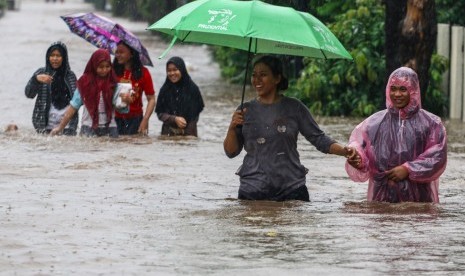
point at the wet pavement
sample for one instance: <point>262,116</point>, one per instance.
<point>151,206</point>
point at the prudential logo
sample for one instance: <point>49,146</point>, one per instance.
<point>218,20</point>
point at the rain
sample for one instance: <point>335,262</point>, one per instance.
<point>158,206</point>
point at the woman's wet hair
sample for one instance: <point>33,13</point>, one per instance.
<point>136,63</point>
<point>276,67</point>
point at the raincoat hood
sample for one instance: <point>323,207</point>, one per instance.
<point>404,76</point>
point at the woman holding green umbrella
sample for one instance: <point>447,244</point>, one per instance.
<point>270,124</point>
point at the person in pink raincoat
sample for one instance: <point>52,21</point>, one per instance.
<point>402,150</point>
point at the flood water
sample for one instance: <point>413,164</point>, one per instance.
<point>151,206</point>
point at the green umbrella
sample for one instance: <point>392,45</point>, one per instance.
<point>253,26</point>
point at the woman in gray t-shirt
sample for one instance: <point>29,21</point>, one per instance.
<point>267,128</point>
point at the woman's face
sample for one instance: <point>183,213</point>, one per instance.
<point>55,59</point>
<point>103,69</point>
<point>400,96</point>
<point>123,54</point>
<point>263,80</point>
<point>173,73</point>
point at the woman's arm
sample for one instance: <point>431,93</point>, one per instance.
<point>34,83</point>
<point>70,111</point>
<point>341,150</point>
<point>144,124</point>
<point>232,143</point>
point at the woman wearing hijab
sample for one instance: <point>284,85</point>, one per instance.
<point>179,102</point>
<point>402,150</point>
<point>96,91</point>
<point>54,87</point>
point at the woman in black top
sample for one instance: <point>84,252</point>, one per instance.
<point>54,87</point>
<point>179,102</point>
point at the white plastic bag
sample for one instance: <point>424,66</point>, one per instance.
<point>122,88</point>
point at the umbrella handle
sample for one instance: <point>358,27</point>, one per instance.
<point>169,47</point>
<point>246,72</point>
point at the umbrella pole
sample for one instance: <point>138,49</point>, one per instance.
<point>246,72</point>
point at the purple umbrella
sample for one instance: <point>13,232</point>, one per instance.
<point>104,33</point>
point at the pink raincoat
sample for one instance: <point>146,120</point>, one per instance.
<point>411,137</point>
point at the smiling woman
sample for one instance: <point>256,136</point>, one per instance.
<point>403,149</point>
<point>267,129</point>
<point>399,95</point>
<point>179,103</point>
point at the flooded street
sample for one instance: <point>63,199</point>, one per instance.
<point>151,206</point>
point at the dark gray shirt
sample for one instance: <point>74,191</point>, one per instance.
<point>271,168</point>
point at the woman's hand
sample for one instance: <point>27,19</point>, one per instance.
<point>232,144</point>
<point>56,131</point>
<point>144,127</point>
<point>237,118</point>
<point>44,78</point>
<point>353,157</point>
<point>397,174</point>
<point>127,97</point>
<point>180,122</point>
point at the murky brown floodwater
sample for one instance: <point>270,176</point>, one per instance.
<point>150,206</point>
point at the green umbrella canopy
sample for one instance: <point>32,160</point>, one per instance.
<point>252,26</point>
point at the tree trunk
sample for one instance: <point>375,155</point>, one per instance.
<point>395,12</point>
<point>300,5</point>
<point>170,6</point>
<point>418,32</point>
<point>411,31</point>
<point>133,9</point>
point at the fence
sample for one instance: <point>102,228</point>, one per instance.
<point>450,43</point>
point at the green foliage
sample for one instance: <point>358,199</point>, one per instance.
<point>232,62</point>
<point>119,7</point>
<point>451,11</point>
<point>340,87</point>
<point>99,4</point>
<point>436,101</point>
<point>328,9</point>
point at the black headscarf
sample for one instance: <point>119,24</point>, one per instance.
<point>182,98</point>
<point>60,93</point>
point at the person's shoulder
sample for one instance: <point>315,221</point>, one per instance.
<point>40,70</point>
<point>295,104</point>
<point>378,114</point>
<point>376,118</point>
<point>248,104</point>
<point>433,117</point>
<point>291,101</point>
<point>71,73</point>
<point>145,71</point>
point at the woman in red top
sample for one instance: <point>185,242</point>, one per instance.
<point>129,69</point>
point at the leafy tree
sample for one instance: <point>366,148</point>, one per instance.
<point>451,11</point>
<point>340,87</point>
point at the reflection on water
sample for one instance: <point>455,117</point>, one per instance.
<point>405,208</point>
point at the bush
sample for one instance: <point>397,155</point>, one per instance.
<point>341,87</point>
